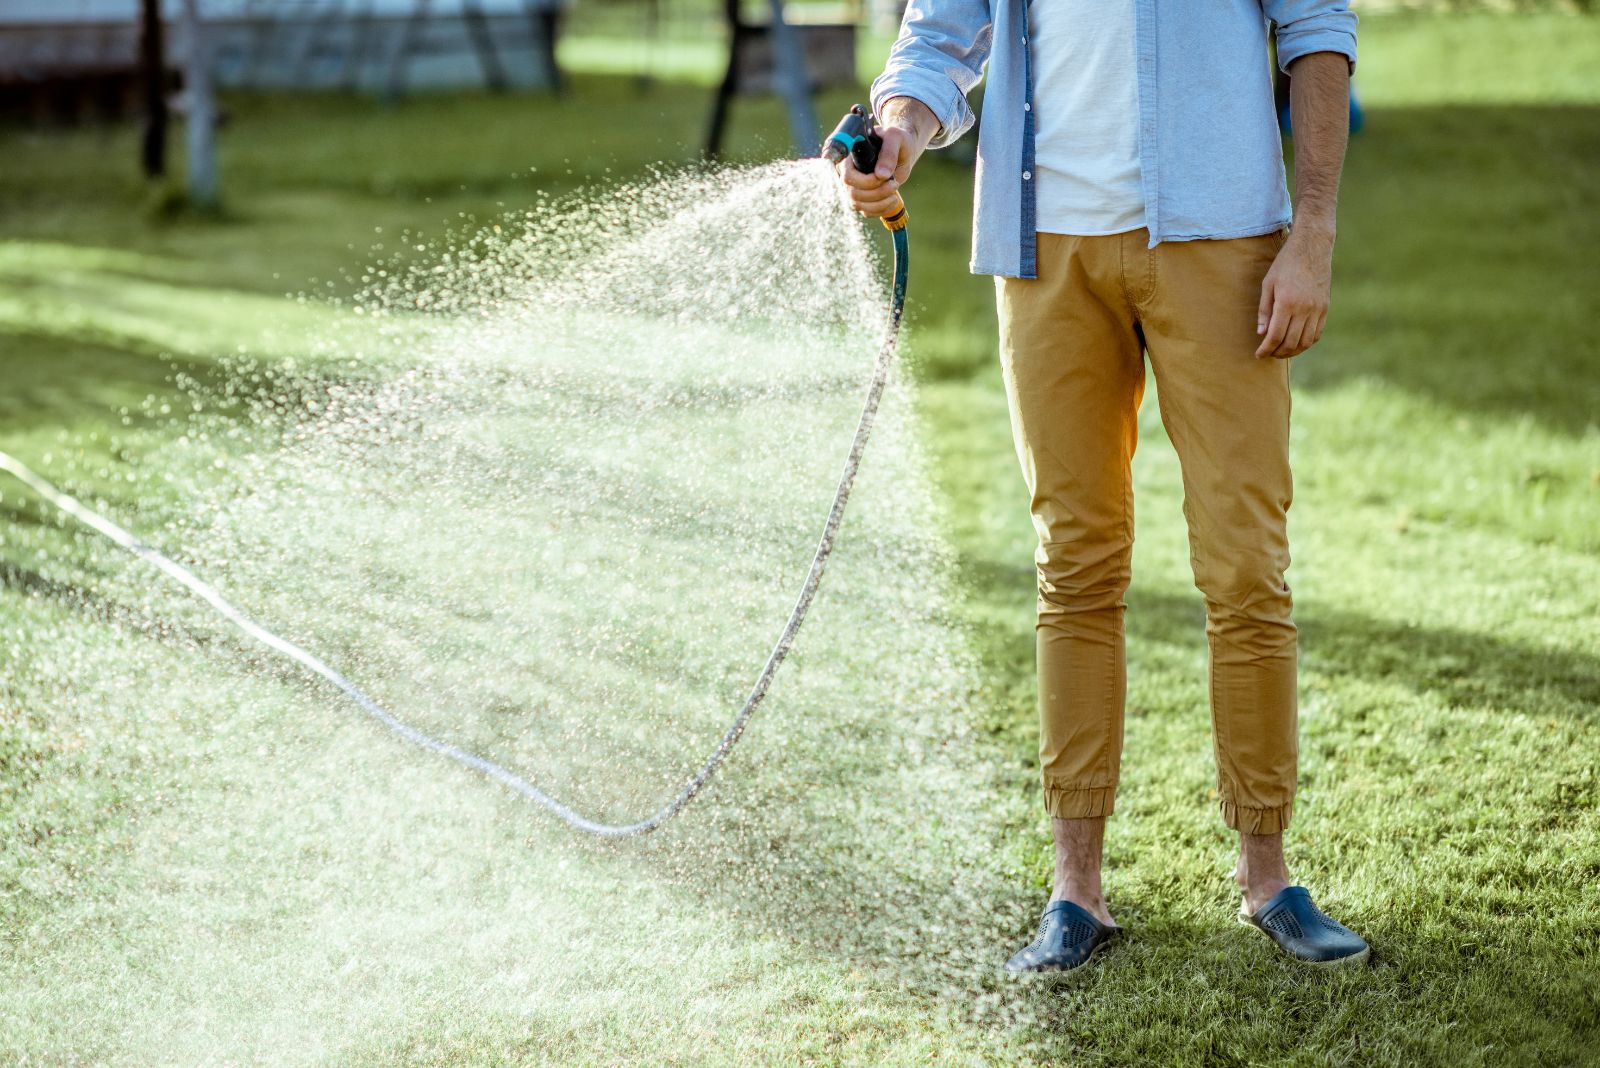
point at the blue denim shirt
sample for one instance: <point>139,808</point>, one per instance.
<point>1209,147</point>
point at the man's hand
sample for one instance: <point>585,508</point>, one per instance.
<point>1294,295</point>
<point>907,126</point>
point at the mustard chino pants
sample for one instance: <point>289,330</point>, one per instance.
<point>1072,344</point>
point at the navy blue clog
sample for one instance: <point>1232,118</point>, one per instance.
<point>1068,936</point>
<point>1304,931</point>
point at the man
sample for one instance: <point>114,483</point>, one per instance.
<point>1131,201</point>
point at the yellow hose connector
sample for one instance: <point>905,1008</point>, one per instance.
<point>896,220</point>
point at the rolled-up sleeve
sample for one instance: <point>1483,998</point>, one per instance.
<point>1307,26</point>
<point>937,59</point>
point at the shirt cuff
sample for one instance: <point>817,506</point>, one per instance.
<point>1296,43</point>
<point>933,89</point>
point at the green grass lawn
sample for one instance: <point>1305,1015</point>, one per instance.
<point>1447,578</point>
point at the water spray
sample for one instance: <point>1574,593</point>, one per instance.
<point>856,137</point>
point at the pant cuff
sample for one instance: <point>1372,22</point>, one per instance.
<point>1064,803</point>
<point>1256,820</point>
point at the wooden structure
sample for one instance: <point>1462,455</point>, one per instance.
<point>792,52</point>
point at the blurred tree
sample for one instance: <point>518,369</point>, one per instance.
<point>153,69</point>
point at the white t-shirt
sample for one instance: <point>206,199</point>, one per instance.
<point>1086,117</point>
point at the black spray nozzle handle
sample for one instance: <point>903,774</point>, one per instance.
<point>856,136</point>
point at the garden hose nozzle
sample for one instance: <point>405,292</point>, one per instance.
<point>857,136</point>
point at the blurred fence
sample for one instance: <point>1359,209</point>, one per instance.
<point>57,56</point>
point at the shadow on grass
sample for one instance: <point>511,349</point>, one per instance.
<point>1463,668</point>
<point>1186,992</point>
<point>1466,264</point>
<point>56,382</point>
<point>227,651</point>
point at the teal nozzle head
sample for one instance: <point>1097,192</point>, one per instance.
<point>855,137</point>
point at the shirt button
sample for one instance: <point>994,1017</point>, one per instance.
<point>1026,175</point>
<point>1027,107</point>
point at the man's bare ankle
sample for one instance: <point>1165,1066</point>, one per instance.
<point>1079,847</point>
<point>1258,892</point>
<point>1260,881</point>
<point>1090,899</point>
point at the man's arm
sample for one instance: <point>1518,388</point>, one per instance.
<point>1294,295</point>
<point>937,59</point>
<point>921,96</point>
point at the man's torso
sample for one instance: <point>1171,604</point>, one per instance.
<point>1209,151</point>
<point>1086,115</point>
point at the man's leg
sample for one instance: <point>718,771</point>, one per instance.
<point>1074,375</point>
<point>1079,847</point>
<point>1228,416</point>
